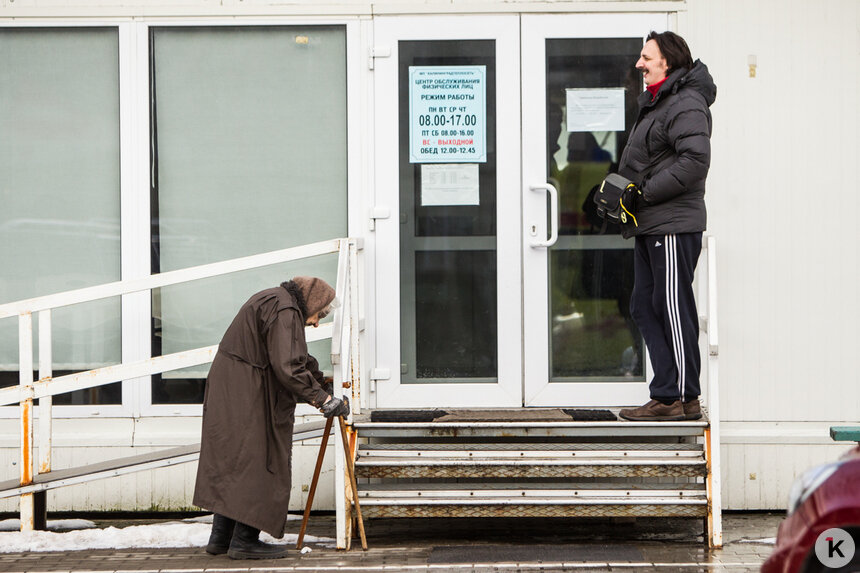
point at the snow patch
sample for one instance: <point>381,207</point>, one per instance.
<point>60,524</point>
<point>193,532</point>
<point>763,541</point>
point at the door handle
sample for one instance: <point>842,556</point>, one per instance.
<point>553,214</point>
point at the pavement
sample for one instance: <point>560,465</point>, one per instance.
<point>461,545</point>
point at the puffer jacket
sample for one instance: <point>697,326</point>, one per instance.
<point>669,152</point>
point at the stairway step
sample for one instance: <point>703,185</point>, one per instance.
<point>552,508</point>
<point>530,463</point>
<point>507,430</point>
<point>471,416</point>
<point>412,460</point>
<point>520,453</point>
<point>562,492</point>
<point>532,500</point>
<point>416,467</point>
<point>530,446</point>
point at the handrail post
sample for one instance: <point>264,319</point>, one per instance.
<point>40,516</point>
<point>25,380</point>
<point>342,519</point>
<point>354,328</point>
<point>715,522</point>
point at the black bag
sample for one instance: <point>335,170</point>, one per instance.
<point>609,200</point>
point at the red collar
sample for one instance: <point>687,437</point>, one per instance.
<point>654,88</point>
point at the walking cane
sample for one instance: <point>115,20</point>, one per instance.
<point>350,471</point>
<point>314,481</point>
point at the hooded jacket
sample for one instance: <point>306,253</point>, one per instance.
<point>669,152</point>
<point>261,370</point>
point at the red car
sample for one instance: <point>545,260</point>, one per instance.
<point>824,497</point>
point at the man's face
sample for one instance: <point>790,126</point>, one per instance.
<point>651,63</point>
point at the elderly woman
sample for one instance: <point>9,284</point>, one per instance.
<point>262,369</point>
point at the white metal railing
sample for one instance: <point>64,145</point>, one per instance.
<point>343,331</point>
<point>707,284</point>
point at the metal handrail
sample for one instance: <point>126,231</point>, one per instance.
<point>168,278</point>
<point>345,316</point>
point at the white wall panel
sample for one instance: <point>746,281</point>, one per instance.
<point>760,460</point>
<point>203,7</point>
<point>759,476</point>
<point>787,270</point>
<point>787,265</point>
<point>166,489</point>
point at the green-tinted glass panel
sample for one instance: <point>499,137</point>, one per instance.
<point>250,155</point>
<point>60,193</point>
<point>592,335</point>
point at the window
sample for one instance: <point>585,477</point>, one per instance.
<point>60,191</point>
<point>249,156</point>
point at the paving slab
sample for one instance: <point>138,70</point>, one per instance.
<point>507,545</point>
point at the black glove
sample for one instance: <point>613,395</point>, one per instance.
<point>336,407</point>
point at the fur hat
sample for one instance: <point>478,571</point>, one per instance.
<point>317,293</point>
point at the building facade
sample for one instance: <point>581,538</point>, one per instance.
<point>142,137</point>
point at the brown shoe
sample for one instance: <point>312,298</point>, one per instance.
<point>654,411</point>
<point>692,410</point>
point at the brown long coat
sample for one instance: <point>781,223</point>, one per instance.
<point>261,370</point>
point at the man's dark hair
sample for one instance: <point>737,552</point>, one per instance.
<point>674,49</point>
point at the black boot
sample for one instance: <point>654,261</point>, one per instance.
<point>222,533</point>
<point>247,545</point>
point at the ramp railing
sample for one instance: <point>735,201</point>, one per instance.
<point>343,331</point>
<point>707,306</point>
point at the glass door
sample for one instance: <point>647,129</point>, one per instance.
<point>447,207</point>
<point>579,91</point>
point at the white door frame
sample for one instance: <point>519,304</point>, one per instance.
<point>504,29</point>
<point>535,30</point>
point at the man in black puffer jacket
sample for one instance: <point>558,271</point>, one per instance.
<point>667,156</point>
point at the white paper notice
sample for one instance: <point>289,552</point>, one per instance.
<point>449,184</point>
<point>595,109</point>
<point>447,114</point>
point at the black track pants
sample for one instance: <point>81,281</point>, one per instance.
<point>664,309</point>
